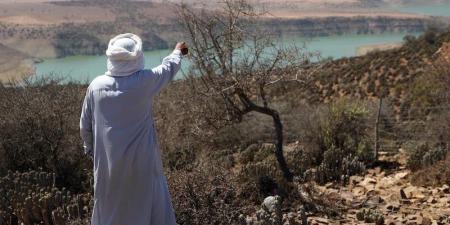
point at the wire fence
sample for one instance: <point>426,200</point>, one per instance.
<point>420,124</point>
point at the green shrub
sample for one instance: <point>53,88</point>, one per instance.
<point>341,145</point>
<point>345,141</point>
<point>422,155</point>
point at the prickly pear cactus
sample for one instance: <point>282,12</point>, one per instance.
<point>32,198</point>
<point>337,165</point>
<point>370,216</point>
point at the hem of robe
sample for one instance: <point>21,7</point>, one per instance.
<point>161,211</point>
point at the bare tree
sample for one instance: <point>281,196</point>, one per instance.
<point>235,62</point>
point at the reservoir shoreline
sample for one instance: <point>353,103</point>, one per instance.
<point>84,68</point>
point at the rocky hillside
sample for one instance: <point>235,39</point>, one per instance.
<point>384,195</point>
<point>381,74</point>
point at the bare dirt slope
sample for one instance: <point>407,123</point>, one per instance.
<point>299,9</point>
<point>13,64</point>
<point>43,13</point>
<point>40,12</point>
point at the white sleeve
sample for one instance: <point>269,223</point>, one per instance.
<point>164,73</point>
<point>86,125</point>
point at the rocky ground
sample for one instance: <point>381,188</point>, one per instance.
<point>384,195</point>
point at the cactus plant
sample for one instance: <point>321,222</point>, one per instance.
<point>370,216</point>
<point>32,198</point>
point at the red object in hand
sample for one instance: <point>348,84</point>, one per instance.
<point>184,51</point>
<point>182,46</point>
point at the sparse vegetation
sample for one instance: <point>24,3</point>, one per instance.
<point>345,143</point>
<point>234,67</point>
<point>218,143</point>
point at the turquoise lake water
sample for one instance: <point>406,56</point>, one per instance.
<point>85,68</point>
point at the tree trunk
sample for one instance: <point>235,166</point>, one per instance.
<point>251,106</point>
<point>279,147</point>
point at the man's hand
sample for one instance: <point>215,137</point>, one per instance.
<point>183,47</point>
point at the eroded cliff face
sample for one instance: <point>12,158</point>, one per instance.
<point>54,41</point>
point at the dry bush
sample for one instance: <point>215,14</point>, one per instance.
<point>39,129</point>
<point>181,140</point>
<point>205,196</point>
<point>436,174</point>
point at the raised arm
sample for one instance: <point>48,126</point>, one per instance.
<point>169,67</point>
<point>86,124</point>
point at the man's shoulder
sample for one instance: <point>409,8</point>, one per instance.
<point>99,82</point>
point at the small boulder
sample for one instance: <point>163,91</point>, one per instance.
<point>271,203</point>
<point>401,175</point>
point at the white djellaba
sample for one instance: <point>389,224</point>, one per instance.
<point>117,128</point>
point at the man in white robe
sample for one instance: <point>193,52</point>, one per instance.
<point>118,131</point>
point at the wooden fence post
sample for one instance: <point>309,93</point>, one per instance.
<point>376,147</point>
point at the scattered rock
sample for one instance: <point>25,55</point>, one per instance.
<point>347,196</point>
<point>426,221</point>
<point>271,203</point>
<point>368,181</point>
<point>373,201</point>
<point>401,175</point>
<point>354,180</point>
<point>317,221</point>
<point>431,200</point>
<point>413,192</point>
<point>403,195</point>
<point>392,207</point>
<point>358,191</point>
<point>386,199</point>
<point>445,189</point>
<point>386,182</point>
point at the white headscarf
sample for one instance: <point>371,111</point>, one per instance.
<point>125,55</point>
